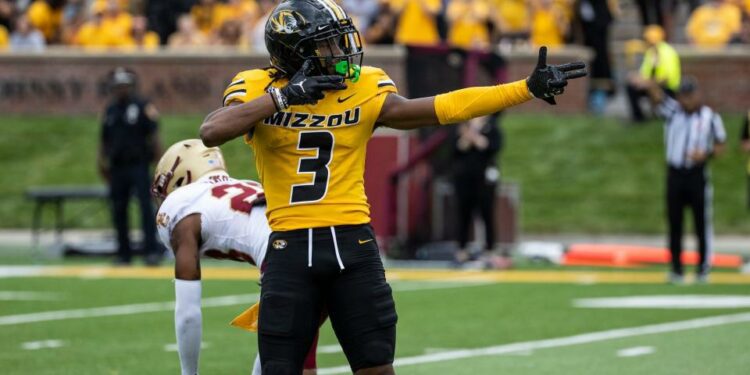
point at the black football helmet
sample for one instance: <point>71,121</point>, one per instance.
<point>316,30</point>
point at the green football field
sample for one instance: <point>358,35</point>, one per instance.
<point>93,319</point>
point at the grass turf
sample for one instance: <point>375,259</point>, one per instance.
<point>578,173</point>
<point>429,319</point>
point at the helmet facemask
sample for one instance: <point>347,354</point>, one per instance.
<point>336,51</point>
<point>339,53</point>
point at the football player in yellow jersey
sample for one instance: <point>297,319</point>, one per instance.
<point>308,118</point>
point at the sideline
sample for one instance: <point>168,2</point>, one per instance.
<point>251,273</point>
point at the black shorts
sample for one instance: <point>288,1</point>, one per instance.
<point>333,268</point>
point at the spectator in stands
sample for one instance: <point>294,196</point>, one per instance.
<point>245,13</point>
<point>92,33</point>
<point>208,15</point>
<point>512,20</point>
<point>46,16</point>
<point>117,22</point>
<point>187,35</point>
<point>3,38</point>
<point>25,38</point>
<point>417,22</point>
<point>109,27</point>
<point>476,177</point>
<point>382,25</point>
<point>661,66</point>
<point>141,37</point>
<point>229,34</point>
<point>362,12</point>
<point>241,10</point>
<point>548,24</point>
<point>129,144</point>
<point>652,12</point>
<point>163,15</point>
<point>7,14</point>
<point>744,35</point>
<point>468,24</point>
<point>714,24</point>
<point>258,31</point>
<point>596,17</point>
<point>75,14</point>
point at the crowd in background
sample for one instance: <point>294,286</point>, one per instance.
<point>30,25</point>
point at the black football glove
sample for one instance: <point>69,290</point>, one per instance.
<point>305,88</point>
<point>546,81</point>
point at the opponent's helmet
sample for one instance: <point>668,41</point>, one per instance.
<point>316,30</point>
<point>185,162</point>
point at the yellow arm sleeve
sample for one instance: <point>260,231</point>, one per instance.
<point>461,105</point>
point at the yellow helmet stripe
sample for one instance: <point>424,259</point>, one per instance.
<point>328,7</point>
<point>338,9</point>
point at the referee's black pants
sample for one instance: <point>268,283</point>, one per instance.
<point>689,187</point>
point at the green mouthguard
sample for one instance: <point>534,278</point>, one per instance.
<point>352,71</point>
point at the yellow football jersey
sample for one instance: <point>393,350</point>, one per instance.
<point>311,158</point>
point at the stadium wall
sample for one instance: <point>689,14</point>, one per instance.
<point>74,82</point>
<point>722,74</point>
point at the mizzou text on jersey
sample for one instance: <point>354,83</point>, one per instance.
<point>311,158</point>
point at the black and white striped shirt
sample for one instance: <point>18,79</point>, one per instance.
<point>686,133</point>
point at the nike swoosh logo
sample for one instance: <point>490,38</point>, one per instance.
<point>362,242</point>
<point>345,99</point>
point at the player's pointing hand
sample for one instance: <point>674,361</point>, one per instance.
<point>304,88</point>
<point>546,81</point>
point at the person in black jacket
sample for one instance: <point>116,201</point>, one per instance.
<point>476,177</point>
<point>129,144</point>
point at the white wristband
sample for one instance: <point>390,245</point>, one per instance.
<point>278,98</point>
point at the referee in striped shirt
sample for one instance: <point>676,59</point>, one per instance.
<point>693,133</point>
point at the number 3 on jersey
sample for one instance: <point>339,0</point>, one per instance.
<point>322,142</point>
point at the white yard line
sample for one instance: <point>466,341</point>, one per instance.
<point>15,295</point>
<point>636,351</point>
<point>560,342</point>
<point>330,349</point>
<point>44,344</point>
<point>175,348</point>
<point>22,271</point>
<point>231,300</point>
<point>416,286</point>
<point>671,302</point>
<point>139,308</point>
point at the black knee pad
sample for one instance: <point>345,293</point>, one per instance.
<point>377,352</point>
<point>277,314</point>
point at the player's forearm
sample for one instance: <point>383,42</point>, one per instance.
<point>230,122</point>
<point>188,325</point>
<point>461,105</point>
